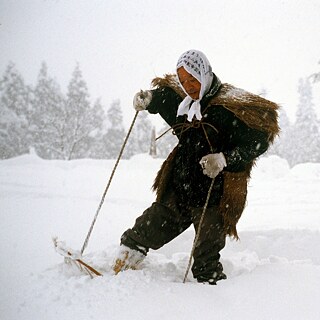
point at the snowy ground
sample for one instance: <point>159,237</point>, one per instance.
<point>273,272</point>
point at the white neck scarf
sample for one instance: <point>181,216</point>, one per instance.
<point>197,64</point>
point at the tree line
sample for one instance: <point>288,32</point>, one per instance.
<point>54,125</point>
<point>299,142</point>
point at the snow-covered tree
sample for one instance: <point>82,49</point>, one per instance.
<point>15,109</point>
<point>113,139</point>
<point>83,122</point>
<point>48,118</point>
<point>305,134</point>
<point>166,141</point>
<point>139,141</point>
<point>153,145</point>
<point>282,142</point>
<point>315,77</point>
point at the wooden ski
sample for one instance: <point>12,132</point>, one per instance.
<point>74,257</point>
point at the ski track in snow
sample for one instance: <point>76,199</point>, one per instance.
<point>273,271</point>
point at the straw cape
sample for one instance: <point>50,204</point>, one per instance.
<point>257,113</point>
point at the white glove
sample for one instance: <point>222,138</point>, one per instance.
<point>142,99</point>
<point>212,164</point>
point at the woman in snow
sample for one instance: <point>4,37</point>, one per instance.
<point>221,131</point>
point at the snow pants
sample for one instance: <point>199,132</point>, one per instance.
<point>162,222</point>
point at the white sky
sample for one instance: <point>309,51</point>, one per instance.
<point>122,45</point>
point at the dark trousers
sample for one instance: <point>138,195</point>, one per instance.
<point>162,222</point>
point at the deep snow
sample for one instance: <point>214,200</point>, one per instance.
<point>273,271</point>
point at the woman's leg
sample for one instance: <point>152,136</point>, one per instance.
<point>158,225</point>
<point>206,266</point>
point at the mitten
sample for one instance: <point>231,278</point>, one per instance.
<point>212,164</point>
<point>142,99</point>
<point>127,259</point>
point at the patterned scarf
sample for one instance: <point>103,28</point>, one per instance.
<point>197,64</point>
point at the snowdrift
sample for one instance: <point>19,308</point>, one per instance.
<point>273,271</point>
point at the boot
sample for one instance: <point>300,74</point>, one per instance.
<point>127,258</point>
<point>217,275</point>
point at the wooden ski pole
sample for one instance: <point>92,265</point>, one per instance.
<point>196,239</point>
<point>85,244</point>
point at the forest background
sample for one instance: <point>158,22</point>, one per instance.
<point>41,119</point>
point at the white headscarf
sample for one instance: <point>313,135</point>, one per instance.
<point>197,64</point>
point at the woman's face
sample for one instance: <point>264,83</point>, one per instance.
<point>190,84</point>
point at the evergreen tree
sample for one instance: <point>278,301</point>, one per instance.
<point>153,145</point>
<point>15,109</point>
<point>305,134</point>
<point>139,141</point>
<point>282,143</point>
<point>95,139</point>
<point>49,117</point>
<point>166,141</point>
<point>83,122</point>
<point>315,76</point>
<point>114,137</point>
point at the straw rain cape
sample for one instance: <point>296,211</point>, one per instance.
<point>257,113</point>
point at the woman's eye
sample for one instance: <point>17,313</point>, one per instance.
<point>191,80</point>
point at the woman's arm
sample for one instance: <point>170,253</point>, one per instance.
<point>165,101</point>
